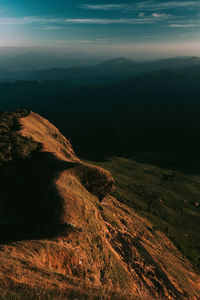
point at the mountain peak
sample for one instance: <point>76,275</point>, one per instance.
<point>118,61</point>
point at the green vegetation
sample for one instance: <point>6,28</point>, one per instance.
<point>168,198</point>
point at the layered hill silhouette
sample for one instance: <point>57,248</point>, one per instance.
<point>162,107</point>
<point>46,67</point>
<point>167,97</point>
<point>113,70</point>
<point>64,234</point>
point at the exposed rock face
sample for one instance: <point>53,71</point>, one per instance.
<point>104,249</point>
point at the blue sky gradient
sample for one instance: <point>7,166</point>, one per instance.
<point>103,24</point>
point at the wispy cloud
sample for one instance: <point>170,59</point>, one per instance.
<point>140,20</point>
<point>108,21</point>
<point>160,16</point>
<point>51,28</point>
<point>26,20</point>
<point>147,12</point>
<point>156,5</point>
<point>53,23</point>
<point>143,5</point>
<point>84,41</point>
<point>150,17</point>
<point>104,6</point>
<point>75,41</point>
<point>181,25</point>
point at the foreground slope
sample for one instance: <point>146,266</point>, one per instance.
<point>65,235</point>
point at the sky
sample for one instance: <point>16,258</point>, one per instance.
<point>151,27</point>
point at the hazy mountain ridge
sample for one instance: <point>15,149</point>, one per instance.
<point>29,61</point>
<point>104,249</point>
<point>160,98</point>
<point>161,102</point>
<point>163,107</point>
<point>47,67</point>
<point>107,71</point>
<point>113,70</point>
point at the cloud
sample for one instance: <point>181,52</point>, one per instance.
<point>74,41</point>
<point>84,41</point>
<point>155,5</point>
<point>160,16</point>
<point>49,22</point>
<point>147,12</point>
<point>181,25</point>
<point>143,5</point>
<point>51,28</point>
<point>104,6</point>
<point>178,4</point>
<point>140,20</point>
<point>27,20</point>
<point>106,21</point>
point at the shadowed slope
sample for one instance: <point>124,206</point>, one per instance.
<point>33,180</point>
<point>104,249</point>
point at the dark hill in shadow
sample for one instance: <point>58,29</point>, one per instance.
<point>29,199</point>
<point>30,205</point>
<point>30,168</point>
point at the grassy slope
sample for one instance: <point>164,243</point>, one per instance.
<point>105,248</point>
<point>169,199</point>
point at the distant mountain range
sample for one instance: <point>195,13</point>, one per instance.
<point>32,61</point>
<point>113,70</point>
<point>158,99</point>
<point>108,71</point>
<point>160,108</point>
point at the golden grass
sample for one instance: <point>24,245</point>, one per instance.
<point>42,131</point>
<point>105,251</point>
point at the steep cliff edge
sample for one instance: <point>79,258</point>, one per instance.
<point>65,235</point>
